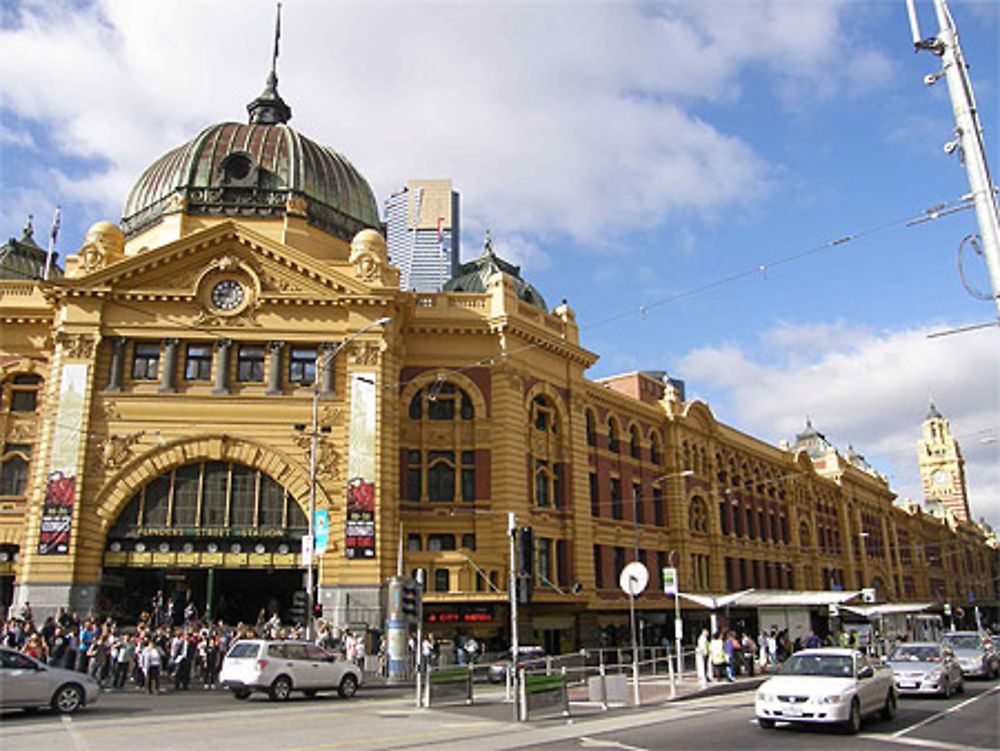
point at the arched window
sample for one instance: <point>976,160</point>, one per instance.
<point>544,441</point>
<point>591,429</point>
<point>612,435</point>
<point>699,515</point>
<point>654,448</point>
<point>211,499</point>
<point>633,442</point>
<point>14,470</point>
<point>441,401</point>
<point>805,538</point>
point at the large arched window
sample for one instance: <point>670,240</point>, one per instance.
<point>218,499</point>
<point>440,464</point>
<point>591,428</point>
<point>545,455</point>
<point>699,515</point>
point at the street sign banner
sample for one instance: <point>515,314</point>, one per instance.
<point>307,551</point>
<point>634,578</point>
<point>670,581</point>
<point>321,527</point>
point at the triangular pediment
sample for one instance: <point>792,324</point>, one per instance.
<point>176,269</point>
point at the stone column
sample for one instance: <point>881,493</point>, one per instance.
<point>223,349</point>
<point>327,354</point>
<point>274,369</point>
<point>116,373</point>
<point>168,376</point>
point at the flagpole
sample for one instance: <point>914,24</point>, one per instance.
<point>52,245</point>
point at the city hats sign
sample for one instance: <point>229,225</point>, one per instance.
<point>634,578</point>
<point>670,581</point>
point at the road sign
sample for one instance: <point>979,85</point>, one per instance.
<point>670,581</point>
<point>634,578</point>
<point>321,527</point>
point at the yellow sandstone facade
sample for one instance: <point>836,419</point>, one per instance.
<point>156,420</point>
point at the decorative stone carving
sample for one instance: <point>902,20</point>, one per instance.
<point>365,354</point>
<point>176,204</point>
<point>117,450</point>
<point>369,256</point>
<point>297,206</point>
<point>23,431</point>
<point>78,346</point>
<point>326,455</point>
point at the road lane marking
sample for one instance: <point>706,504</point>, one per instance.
<point>74,735</point>
<point>588,742</point>
<point>920,742</point>
<point>944,713</point>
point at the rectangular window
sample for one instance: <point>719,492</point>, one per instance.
<point>302,366</point>
<point>272,503</point>
<point>469,541</point>
<point>414,476</point>
<point>661,563</point>
<point>542,478</point>
<point>242,499</point>
<point>558,485</point>
<point>439,542</point>
<point>157,502</point>
<point>595,504</point>
<point>659,513</point>
<point>545,561</point>
<point>468,476</point>
<point>250,364</point>
<point>598,568</point>
<point>214,491</point>
<point>145,361</point>
<point>198,362</point>
<point>619,561</point>
<point>23,400</point>
<point>441,476</point>
<point>562,563</point>
<point>442,580</point>
<point>413,543</point>
<point>616,498</point>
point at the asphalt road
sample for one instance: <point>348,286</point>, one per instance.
<point>386,718</point>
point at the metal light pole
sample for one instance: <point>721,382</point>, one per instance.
<point>322,363</point>
<point>514,645</point>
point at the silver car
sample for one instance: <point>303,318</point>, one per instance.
<point>280,667</point>
<point>976,653</point>
<point>29,684</point>
<point>925,668</point>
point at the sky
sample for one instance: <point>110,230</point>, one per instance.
<point>680,172</point>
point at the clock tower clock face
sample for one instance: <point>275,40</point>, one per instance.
<point>227,294</point>
<point>941,478</point>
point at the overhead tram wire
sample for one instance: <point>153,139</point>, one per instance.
<point>934,212</point>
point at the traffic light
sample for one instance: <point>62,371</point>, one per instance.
<point>411,600</point>
<point>317,610</point>
<point>526,565</point>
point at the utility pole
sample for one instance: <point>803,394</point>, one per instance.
<point>968,141</point>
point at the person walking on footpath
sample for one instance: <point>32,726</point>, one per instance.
<point>701,657</point>
<point>151,662</point>
<point>717,655</point>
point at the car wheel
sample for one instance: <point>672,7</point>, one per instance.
<point>241,693</point>
<point>853,724</point>
<point>765,723</point>
<point>889,709</point>
<point>348,687</point>
<point>281,689</point>
<point>67,698</point>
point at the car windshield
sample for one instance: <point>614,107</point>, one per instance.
<point>963,641</point>
<point>913,653</point>
<point>244,649</point>
<point>830,666</point>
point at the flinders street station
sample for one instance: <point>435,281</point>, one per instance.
<point>236,351</point>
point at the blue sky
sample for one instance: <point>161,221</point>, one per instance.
<point>625,154</point>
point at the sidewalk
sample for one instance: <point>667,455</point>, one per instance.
<point>657,690</point>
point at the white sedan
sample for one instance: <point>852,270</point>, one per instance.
<point>829,685</point>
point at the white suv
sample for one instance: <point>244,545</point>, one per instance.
<point>280,667</point>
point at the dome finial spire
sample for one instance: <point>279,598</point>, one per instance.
<point>269,108</point>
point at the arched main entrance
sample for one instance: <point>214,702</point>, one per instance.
<point>219,534</point>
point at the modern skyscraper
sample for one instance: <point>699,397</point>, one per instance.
<point>422,233</point>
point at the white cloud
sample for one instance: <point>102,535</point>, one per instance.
<point>866,389</point>
<point>571,119</point>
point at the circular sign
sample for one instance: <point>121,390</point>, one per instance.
<point>634,578</point>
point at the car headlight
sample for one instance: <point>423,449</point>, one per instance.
<point>834,699</point>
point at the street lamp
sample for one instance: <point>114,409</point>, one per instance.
<point>678,636</point>
<point>322,363</point>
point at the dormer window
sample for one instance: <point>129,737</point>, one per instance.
<point>238,169</point>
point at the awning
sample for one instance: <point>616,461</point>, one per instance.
<point>752,598</point>
<point>891,608</point>
<point>802,598</point>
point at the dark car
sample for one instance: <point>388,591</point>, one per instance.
<point>499,668</point>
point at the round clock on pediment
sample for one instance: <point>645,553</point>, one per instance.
<point>227,295</point>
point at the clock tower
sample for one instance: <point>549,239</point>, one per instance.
<point>942,469</point>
